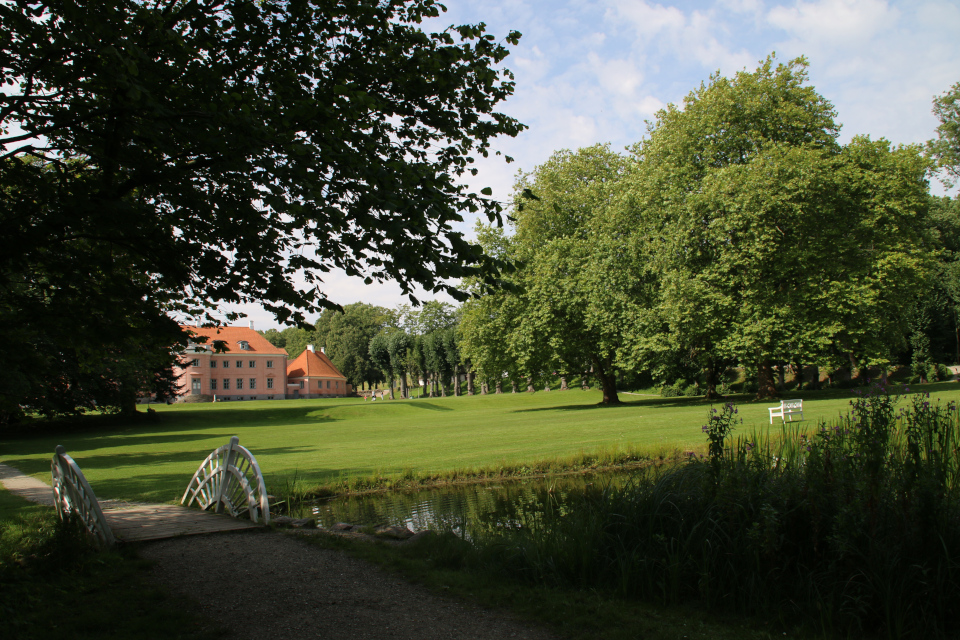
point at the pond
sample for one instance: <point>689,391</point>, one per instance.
<point>506,504</point>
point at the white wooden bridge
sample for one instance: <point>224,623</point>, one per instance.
<point>228,483</point>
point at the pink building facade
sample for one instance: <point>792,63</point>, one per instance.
<point>247,367</point>
<point>313,375</point>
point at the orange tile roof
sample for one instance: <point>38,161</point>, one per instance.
<point>310,363</point>
<point>232,337</point>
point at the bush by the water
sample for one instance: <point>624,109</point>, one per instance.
<point>854,528</point>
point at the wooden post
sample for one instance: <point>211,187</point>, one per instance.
<point>225,475</point>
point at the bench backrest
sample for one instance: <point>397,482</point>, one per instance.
<point>792,404</point>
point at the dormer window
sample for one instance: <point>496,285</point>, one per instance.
<point>244,345</point>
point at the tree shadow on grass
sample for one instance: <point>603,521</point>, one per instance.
<point>191,458</point>
<point>146,431</point>
<point>427,405</point>
<point>631,404</point>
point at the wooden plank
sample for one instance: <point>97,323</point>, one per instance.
<point>158,521</point>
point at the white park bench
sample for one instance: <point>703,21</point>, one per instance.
<point>786,409</point>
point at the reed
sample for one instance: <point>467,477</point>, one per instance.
<point>852,527</point>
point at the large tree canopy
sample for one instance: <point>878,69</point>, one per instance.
<point>945,148</point>
<point>221,151</point>
<point>774,242</point>
<point>211,139</point>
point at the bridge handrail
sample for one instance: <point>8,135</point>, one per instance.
<point>72,494</point>
<point>230,478</point>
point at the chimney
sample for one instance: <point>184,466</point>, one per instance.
<point>251,325</point>
<point>323,350</point>
<point>310,348</point>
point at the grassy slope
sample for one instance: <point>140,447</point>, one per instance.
<point>326,440</point>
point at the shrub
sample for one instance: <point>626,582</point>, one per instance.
<point>854,528</point>
<point>675,390</point>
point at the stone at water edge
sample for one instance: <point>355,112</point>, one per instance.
<point>304,523</point>
<point>344,526</point>
<point>394,531</point>
<point>426,533</point>
<point>296,523</point>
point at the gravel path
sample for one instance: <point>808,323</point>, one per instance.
<point>263,584</point>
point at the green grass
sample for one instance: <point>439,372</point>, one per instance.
<point>55,584</point>
<point>448,566</point>
<point>330,441</point>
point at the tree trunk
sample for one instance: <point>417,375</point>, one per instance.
<point>766,387</point>
<point>798,374</point>
<point>854,367</point>
<point>563,383</point>
<point>608,382</point>
<point>713,371</point>
<point>781,376</point>
<point>429,382</point>
<point>392,397</point>
<point>530,388</point>
<point>456,380</point>
<point>513,385</point>
<point>546,387</point>
<point>470,375</point>
<point>483,388</point>
<point>499,385</point>
<point>584,381</point>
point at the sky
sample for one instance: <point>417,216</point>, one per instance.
<point>594,71</point>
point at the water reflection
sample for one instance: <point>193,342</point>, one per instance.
<point>508,505</point>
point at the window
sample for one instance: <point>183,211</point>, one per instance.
<point>252,364</point>
<point>195,362</point>
<point>239,363</point>
<point>226,363</point>
<point>328,384</point>
<point>226,384</point>
<point>269,383</point>
<point>301,384</point>
<point>239,383</point>
<point>253,383</point>
<point>213,384</point>
<point>213,364</point>
<point>269,364</point>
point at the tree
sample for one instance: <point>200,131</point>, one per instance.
<point>945,150</point>
<point>572,291</point>
<point>229,150</point>
<point>380,356</point>
<point>773,241</point>
<point>487,318</point>
<point>346,337</point>
<point>399,346</point>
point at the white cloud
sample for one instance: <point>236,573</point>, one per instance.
<point>741,6</point>
<point>840,22</point>
<point>618,76</point>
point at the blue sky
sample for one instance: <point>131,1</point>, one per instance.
<point>593,71</point>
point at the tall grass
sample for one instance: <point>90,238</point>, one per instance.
<point>853,527</point>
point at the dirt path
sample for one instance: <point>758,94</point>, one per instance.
<point>264,584</point>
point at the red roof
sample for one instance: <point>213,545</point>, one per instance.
<point>310,363</point>
<point>232,336</point>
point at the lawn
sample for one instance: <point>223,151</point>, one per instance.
<point>330,440</point>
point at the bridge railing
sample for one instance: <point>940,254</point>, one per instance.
<point>73,495</point>
<point>229,479</point>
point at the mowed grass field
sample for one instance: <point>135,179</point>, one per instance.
<point>324,442</point>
